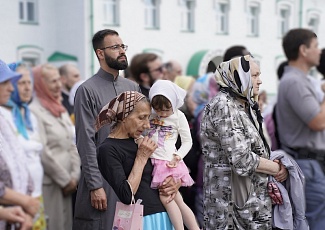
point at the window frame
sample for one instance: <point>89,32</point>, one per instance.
<point>187,15</point>
<point>154,21</point>
<point>115,7</point>
<point>24,13</point>
<point>30,52</point>
<point>288,23</point>
<point>313,14</point>
<point>253,21</point>
<point>222,18</point>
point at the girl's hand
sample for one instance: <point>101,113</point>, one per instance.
<point>139,140</point>
<point>174,162</point>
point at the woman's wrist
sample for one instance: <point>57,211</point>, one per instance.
<point>141,158</point>
<point>279,168</point>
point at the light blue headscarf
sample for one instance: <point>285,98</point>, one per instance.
<point>15,103</point>
<point>203,90</point>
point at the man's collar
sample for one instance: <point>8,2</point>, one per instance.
<point>106,75</point>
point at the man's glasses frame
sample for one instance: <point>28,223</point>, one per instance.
<point>160,69</point>
<point>116,48</point>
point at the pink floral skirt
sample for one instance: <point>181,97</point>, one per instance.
<point>161,171</point>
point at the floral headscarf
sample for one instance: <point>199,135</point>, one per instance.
<point>235,75</point>
<point>118,108</point>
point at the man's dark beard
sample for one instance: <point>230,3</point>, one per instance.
<point>115,64</point>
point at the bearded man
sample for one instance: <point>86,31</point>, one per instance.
<point>95,202</point>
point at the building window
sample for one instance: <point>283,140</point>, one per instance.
<point>110,12</point>
<point>284,12</point>
<point>28,11</point>
<point>313,20</point>
<point>30,54</point>
<point>222,15</point>
<point>253,12</point>
<point>187,15</point>
<point>151,14</point>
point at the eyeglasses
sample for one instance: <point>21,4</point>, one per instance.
<point>160,69</point>
<point>116,48</point>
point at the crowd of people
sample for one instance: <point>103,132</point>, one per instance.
<point>195,149</point>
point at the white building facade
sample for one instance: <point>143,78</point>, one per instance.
<point>193,32</point>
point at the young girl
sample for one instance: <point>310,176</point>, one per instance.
<point>166,123</point>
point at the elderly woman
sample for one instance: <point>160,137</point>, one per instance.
<point>60,159</point>
<point>124,165</point>
<point>24,123</point>
<point>15,182</point>
<point>236,154</point>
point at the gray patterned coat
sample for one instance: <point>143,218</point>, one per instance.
<point>232,148</point>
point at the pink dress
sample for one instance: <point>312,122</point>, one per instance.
<point>165,132</point>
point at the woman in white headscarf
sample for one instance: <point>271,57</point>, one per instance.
<point>236,154</point>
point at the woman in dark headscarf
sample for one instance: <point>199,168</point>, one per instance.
<point>236,155</point>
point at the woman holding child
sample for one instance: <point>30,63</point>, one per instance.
<point>125,165</point>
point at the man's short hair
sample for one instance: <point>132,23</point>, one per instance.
<point>294,39</point>
<point>234,51</point>
<point>64,69</point>
<point>139,65</point>
<point>98,38</point>
<point>280,69</point>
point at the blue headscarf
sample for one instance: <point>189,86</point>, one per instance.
<point>15,103</point>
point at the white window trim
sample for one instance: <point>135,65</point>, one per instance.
<point>250,4</point>
<point>30,52</point>
<point>215,6</point>
<point>156,21</point>
<point>25,12</point>
<point>188,21</point>
<point>316,14</point>
<point>285,4</point>
<point>116,20</point>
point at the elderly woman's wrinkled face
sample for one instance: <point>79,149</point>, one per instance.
<point>256,80</point>
<point>5,91</point>
<point>24,85</point>
<point>138,120</point>
<point>53,82</point>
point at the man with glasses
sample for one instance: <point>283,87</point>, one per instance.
<point>95,202</point>
<point>146,68</point>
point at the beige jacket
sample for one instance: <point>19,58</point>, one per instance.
<point>60,158</point>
